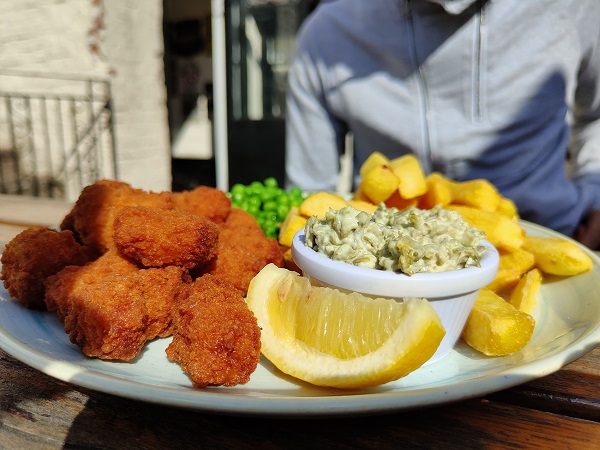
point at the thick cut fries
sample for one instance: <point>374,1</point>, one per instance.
<point>556,256</point>
<point>499,230</point>
<point>410,175</point>
<point>379,184</point>
<point>495,327</point>
<point>319,203</point>
<point>524,296</point>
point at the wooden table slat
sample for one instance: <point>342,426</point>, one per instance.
<point>49,412</point>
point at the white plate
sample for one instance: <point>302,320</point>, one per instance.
<point>568,326</point>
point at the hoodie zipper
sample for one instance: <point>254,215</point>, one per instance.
<point>426,157</point>
<point>478,65</point>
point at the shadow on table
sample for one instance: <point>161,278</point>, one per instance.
<point>129,424</point>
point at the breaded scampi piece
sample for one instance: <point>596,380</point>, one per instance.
<point>62,288</point>
<point>94,211</point>
<point>161,289</point>
<point>68,223</point>
<point>106,318</point>
<point>32,256</point>
<point>216,339</point>
<point>205,201</point>
<point>110,307</point>
<point>156,238</point>
<point>238,217</point>
<point>57,298</point>
<point>243,250</point>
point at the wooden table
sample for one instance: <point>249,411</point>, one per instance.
<point>561,410</point>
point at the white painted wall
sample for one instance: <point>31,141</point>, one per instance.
<point>59,36</point>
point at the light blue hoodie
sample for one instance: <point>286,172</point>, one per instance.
<point>475,89</point>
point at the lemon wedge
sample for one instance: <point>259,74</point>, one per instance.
<point>344,340</point>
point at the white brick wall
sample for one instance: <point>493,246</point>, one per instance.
<point>53,36</point>
<point>134,47</point>
<point>49,35</point>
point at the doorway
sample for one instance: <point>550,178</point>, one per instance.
<point>259,40</point>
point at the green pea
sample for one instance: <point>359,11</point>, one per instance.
<point>284,199</point>
<point>267,202</point>
<point>269,193</point>
<point>271,216</point>
<point>256,187</point>
<point>255,201</point>
<point>271,182</point>
<point>282,212</point>
<point>270,206</point>
<point>237,197</point>
<point>296,192</point>
<point>270,228</point>
<point>253,209</point>
<point>238,188</point>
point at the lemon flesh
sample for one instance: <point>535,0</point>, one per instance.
<point>329,338</point>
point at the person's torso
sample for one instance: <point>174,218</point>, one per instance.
<point>461,91</point>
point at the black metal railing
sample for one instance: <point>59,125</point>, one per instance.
<point>56,134</point>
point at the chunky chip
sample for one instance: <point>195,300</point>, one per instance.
<point>524,295</point>
<point>499,230</point>
<point>379,184</point>
<point>410,175</point>
<point>495,327</point>
<point>319,203</point>
<point>557,256</point>
<point>508,208</point>
<point>375,159</point>
<point>505,280</point>
<point>293,222</point>
<point>438,191</point>
<point>518,260</point>
<point>478,193</point>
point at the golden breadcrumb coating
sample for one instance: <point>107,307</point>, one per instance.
<point>32,256</point>
<point>158,238</point>
<point>216,338</point>
<point>205,201</point>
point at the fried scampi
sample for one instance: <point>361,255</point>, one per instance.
<point>129,264</point>
<point>156,238</point>
<point>216,338</point>
<point>204,201</point>
<point>243,250</point>
<point>110,307</point>
<point>32,256</point>
<point>93,215</point>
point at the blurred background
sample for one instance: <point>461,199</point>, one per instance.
<point>162,94</point>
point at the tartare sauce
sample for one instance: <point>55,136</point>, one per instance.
<point>409,241</point>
